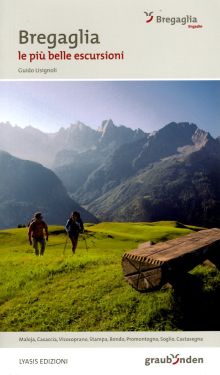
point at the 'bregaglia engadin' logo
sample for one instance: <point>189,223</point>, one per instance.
<point>172,359</point>
<point>189,21</point>
<point>149,16</point>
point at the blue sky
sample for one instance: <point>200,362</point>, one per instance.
<point>148,105</point>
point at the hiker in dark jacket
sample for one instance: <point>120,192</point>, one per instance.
<point>74,227</point>
<point>37,229</point>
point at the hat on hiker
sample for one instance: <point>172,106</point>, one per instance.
<point>38,215</point>
<point>76,214</point>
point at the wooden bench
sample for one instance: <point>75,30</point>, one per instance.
<point>151,266</point>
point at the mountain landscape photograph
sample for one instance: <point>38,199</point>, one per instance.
<point>140,161</point>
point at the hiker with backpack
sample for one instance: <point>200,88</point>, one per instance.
<point>38,229</point>
<point>74,227</point>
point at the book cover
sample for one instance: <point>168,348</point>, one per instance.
<point>109,189</point>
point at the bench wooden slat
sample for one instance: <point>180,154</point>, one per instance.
<point>189,247</point>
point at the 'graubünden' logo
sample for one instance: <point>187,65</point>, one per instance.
<point>172,359</point>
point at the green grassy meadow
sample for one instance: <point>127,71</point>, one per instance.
<point>87,291</point>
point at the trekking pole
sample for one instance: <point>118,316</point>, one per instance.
<point>85,243</point>
<point>65,245</point>
<point>93,242</point>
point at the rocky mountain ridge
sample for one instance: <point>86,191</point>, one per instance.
<point>32,144</point>
<point>122,174</point>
